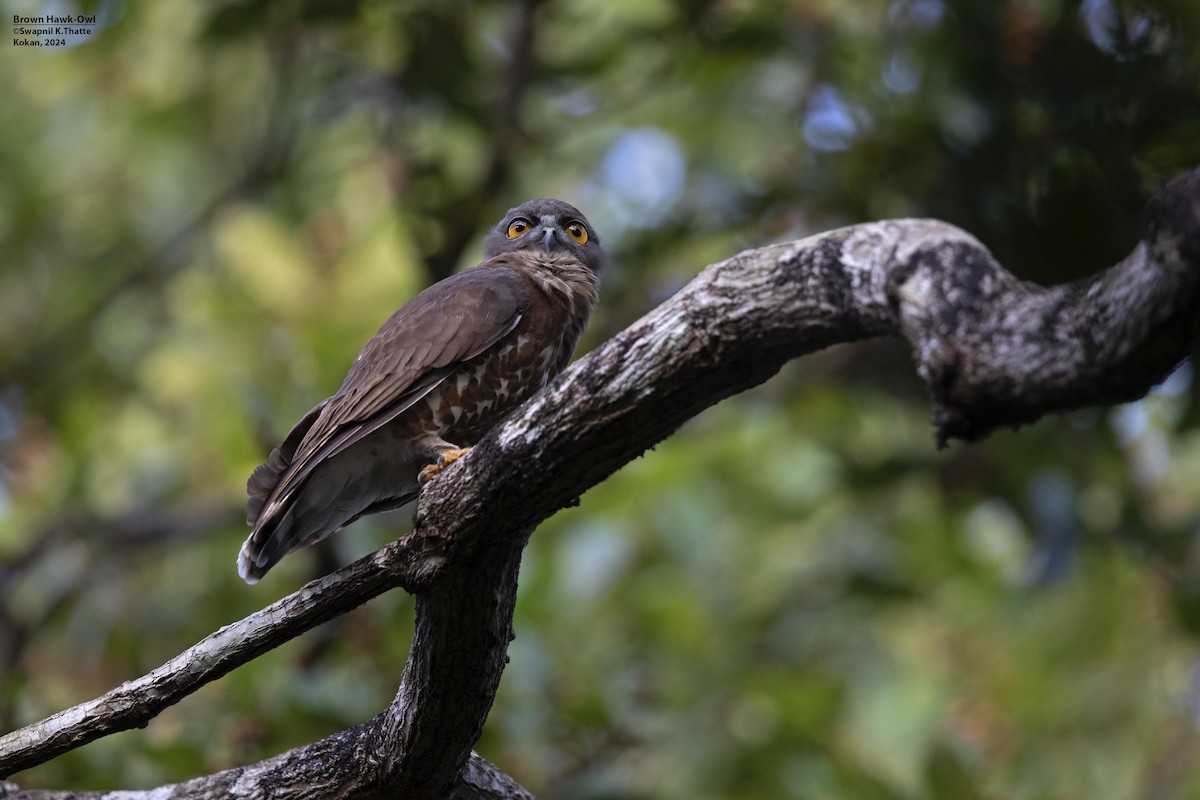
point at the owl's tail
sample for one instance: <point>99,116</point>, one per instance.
<point>326,501</point>
<point>266,545</point>
<point>254,559</point>
<point>266,513</point>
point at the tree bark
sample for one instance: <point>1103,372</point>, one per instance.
<point>994,351</point>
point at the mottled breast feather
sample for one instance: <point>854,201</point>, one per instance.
<point>561,295</point>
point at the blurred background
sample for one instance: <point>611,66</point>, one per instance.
<point>206,208</point>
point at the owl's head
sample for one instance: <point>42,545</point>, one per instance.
<point>550,225</point>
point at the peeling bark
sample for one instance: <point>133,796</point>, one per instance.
<point>994,351</point>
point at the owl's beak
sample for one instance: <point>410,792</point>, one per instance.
<point>547,240</point>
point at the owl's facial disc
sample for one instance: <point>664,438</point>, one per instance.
<point>551,226</point>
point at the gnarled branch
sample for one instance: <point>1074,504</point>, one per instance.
<point>994,351</point>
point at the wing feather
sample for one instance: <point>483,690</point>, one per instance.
<point>422,344</point>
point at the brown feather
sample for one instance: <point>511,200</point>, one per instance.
<point>265,478</point>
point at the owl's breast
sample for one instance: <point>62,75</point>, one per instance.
<point>486,388</point>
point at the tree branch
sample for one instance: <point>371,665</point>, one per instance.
<point>136,702</point>
<point>336,767</point>
<point>994,351</point>
<point>108,539</point>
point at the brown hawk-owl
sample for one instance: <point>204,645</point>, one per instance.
<point>444,369</point>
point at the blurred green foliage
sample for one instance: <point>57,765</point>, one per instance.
<point>205,209</point>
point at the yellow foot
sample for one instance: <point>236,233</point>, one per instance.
<point>445,459</point>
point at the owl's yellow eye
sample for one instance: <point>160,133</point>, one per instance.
<point>517,227</point>
<point>577,232</point>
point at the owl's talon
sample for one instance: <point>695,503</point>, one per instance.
<point>445,459</point>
